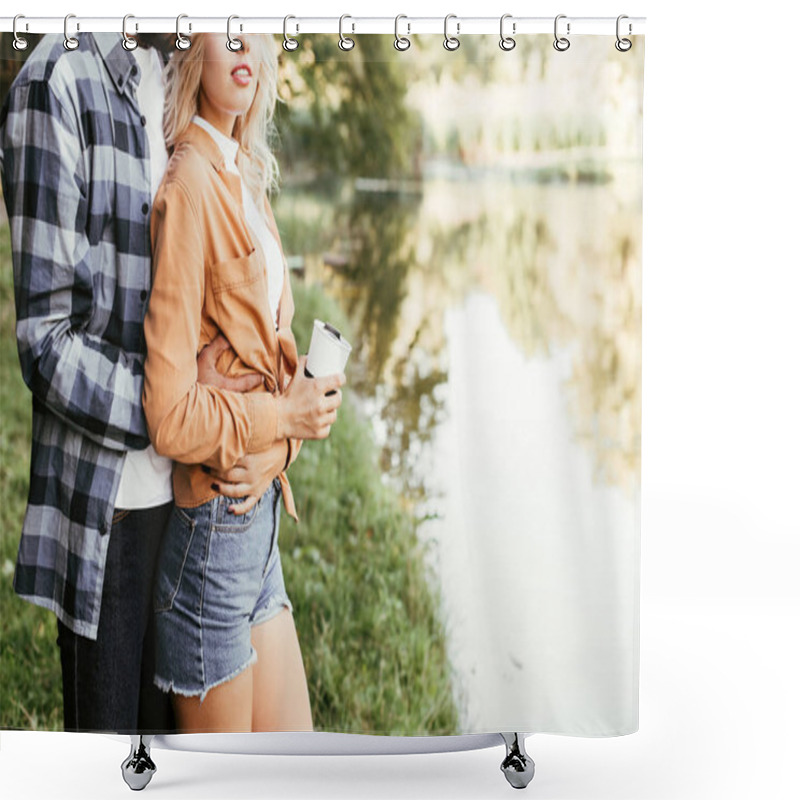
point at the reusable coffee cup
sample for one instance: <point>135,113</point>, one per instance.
<point>327,353</point>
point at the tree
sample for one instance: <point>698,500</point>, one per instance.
<point>345,112</point>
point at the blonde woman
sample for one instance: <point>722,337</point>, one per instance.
<point>227,649</point>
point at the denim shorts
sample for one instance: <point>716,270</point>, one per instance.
<point>218,575</point>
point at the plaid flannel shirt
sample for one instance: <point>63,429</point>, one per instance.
<point>75,174</point>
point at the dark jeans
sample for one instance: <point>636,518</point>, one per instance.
<point>108,683</point>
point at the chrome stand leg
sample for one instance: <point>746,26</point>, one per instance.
<point>517,766</point>
<point>138,768</point>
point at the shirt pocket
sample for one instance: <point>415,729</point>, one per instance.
<point>227,522</point>
<point>240,309</point>
<point>235,273</point>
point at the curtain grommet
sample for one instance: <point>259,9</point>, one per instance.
<point>561,43</point>
<point>345,42</point>
<point>507,43</point>
<point>289,44</point>
<point>128,42</point>
<point>401,43</point>
<point>234,45</point>
<point>623,45</point>
<point>70,42</point>
<point>19,43</point>
<point>451,43</point>
<point>182,42</point>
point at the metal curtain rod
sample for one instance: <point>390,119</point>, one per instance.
<point>458,26</point>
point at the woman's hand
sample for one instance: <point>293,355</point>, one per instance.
<point>247,479</point>
<point>305,409</point>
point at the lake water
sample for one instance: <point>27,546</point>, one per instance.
<point>497,350</point>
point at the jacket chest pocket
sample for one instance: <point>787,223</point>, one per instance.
<point>235,273</point>
<point>241,308</point>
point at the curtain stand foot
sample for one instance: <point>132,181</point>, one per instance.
<point>517,766</point>
<point>138,768</point>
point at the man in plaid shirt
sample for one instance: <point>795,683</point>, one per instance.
<point>80,164</point>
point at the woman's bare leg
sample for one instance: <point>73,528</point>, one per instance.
<point>280,691</point>
<point>226,708</point>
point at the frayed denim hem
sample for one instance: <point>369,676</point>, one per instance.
<point>169,686</point>
<point>271,610</point>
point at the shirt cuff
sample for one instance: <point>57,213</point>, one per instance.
<point>262,413</point>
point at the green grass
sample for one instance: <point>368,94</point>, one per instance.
<point>30,672</point>
<point>367,619</point>
<point>368,622</point>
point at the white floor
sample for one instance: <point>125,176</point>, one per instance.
<point>719,693</point>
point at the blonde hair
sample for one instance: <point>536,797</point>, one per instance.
<point>253,130</point>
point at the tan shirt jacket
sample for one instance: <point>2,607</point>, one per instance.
<point>209,276</point>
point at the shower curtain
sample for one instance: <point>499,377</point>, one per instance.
<point>465,557</point>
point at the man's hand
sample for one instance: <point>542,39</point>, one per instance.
<point>207,369</point>
<point>247,479</point>
<point>306,411</point>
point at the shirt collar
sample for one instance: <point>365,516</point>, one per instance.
<point>228,147</point>
<point>121,64</point>
<point>204,142</point>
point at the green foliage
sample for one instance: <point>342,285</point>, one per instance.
<point>30,673</point>
<point>345,113</point>
<point>365,612</point>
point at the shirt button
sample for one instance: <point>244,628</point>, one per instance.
<point>143,295</point>
<point>134,69</point>
<point>143,119</point>
<point>145,208</point>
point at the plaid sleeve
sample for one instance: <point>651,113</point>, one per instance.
<point>91,384</point>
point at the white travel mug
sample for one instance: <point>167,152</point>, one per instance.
<point>327,353</point>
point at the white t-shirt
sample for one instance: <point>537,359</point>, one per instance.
<point>146,476</point>
<point>255,218</point>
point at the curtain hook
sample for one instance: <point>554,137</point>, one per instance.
<point>561,43</point>
<point>451,42</point>
<point>506,42</point>
<point>345,42</point>
<point>19,43</point>
<point>289,44</point>
<point>234,45</point>
<point>401,42</point>
<point>182,42</point>
<point>128,42</point>
<point>70,42</point>
<point>623,45</point>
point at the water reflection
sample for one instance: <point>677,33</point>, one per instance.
<point>534,556</point>
<point>563,264</point>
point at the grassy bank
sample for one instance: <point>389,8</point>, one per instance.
<point>367,620</point>
<point>373,646</point>
<point>30,674</point>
